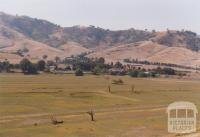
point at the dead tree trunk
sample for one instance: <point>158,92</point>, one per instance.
<point>55,121</point>
<point>133,88</point>
<point>109,89</point>
<point>91,113</point>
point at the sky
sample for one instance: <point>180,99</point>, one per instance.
<point>112,14</point>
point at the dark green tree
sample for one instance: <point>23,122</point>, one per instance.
<point>96,70</point>
<point>41,65</point>
<point>133,73</point>
<point>79,72</point>
<point>142,74</point>
<point>6,66</point>
<point>118,65</point>
<point>27,67</point>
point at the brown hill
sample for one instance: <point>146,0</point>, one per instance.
<point>55,36</point>
<point>151,51</point>
<point>30,37</point>
<point>16,43</point>
<point>185,39</point>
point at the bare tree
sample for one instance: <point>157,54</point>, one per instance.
<point>133,88</point>
<point>109,89</point>
<point>57,59</point>
<point>55,121</point>
<point>91,113</point>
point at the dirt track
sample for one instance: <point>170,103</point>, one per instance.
<point>79,113</point>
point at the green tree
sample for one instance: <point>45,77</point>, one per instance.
<point>41,65</point>
<point>96,70</point>
<point>101,60</point>
<point>142,74</point>
<point>133,73</point>
<point>27,67</point>
<point>33,69</point>
<point>6,66</point>
<point>118,65</point>
<point>169,71</point>
<point>50,63</point>
<point>79,72</point>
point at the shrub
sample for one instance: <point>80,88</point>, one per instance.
<point>118,65</point>
<point>113,73</point>
<point>122,73</point>
<point>79,72</point>
<point>119,81</point>
<point>166,71</point>
<point>141,74</point>
<point>96,71</point>
<point>181,74</point>
<point>169,71</point>
<point>133,73</point>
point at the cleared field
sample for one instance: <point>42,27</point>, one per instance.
<point>28,102</point>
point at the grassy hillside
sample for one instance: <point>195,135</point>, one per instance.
<point>40,37</point>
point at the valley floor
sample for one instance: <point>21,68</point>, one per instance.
<point>28,102</point>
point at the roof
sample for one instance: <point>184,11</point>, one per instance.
<point>62,66</point>
<point>182,105</point>
<point>115,69</point>
<point>52,66</point>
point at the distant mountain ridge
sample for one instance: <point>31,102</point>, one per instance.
<point>90,37</point>
<point>41,37</point>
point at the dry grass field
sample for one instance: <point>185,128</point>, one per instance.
<point>27,104</point>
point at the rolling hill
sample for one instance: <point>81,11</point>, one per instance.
<point>23,36</point>
<point>152,52</point>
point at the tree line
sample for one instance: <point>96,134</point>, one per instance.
<point>136,61</point>
<point>81,64</point>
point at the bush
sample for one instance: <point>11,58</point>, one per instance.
<point>153,74</point>
<point>114,73</point>
<point>118,65</point>
<point>96,71</point>
<point>181,74</point>
<point>79,72</point>
<point>119,81</point>
<point>122,73</point>
<point>133,73</point>
<point>169,71</point>
<point>141,74</point>
<point>166,71</point>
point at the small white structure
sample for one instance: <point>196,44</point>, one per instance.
<point>182,117</point>
<point>52,68</point>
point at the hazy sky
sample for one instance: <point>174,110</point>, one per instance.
<point>112,14</point>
